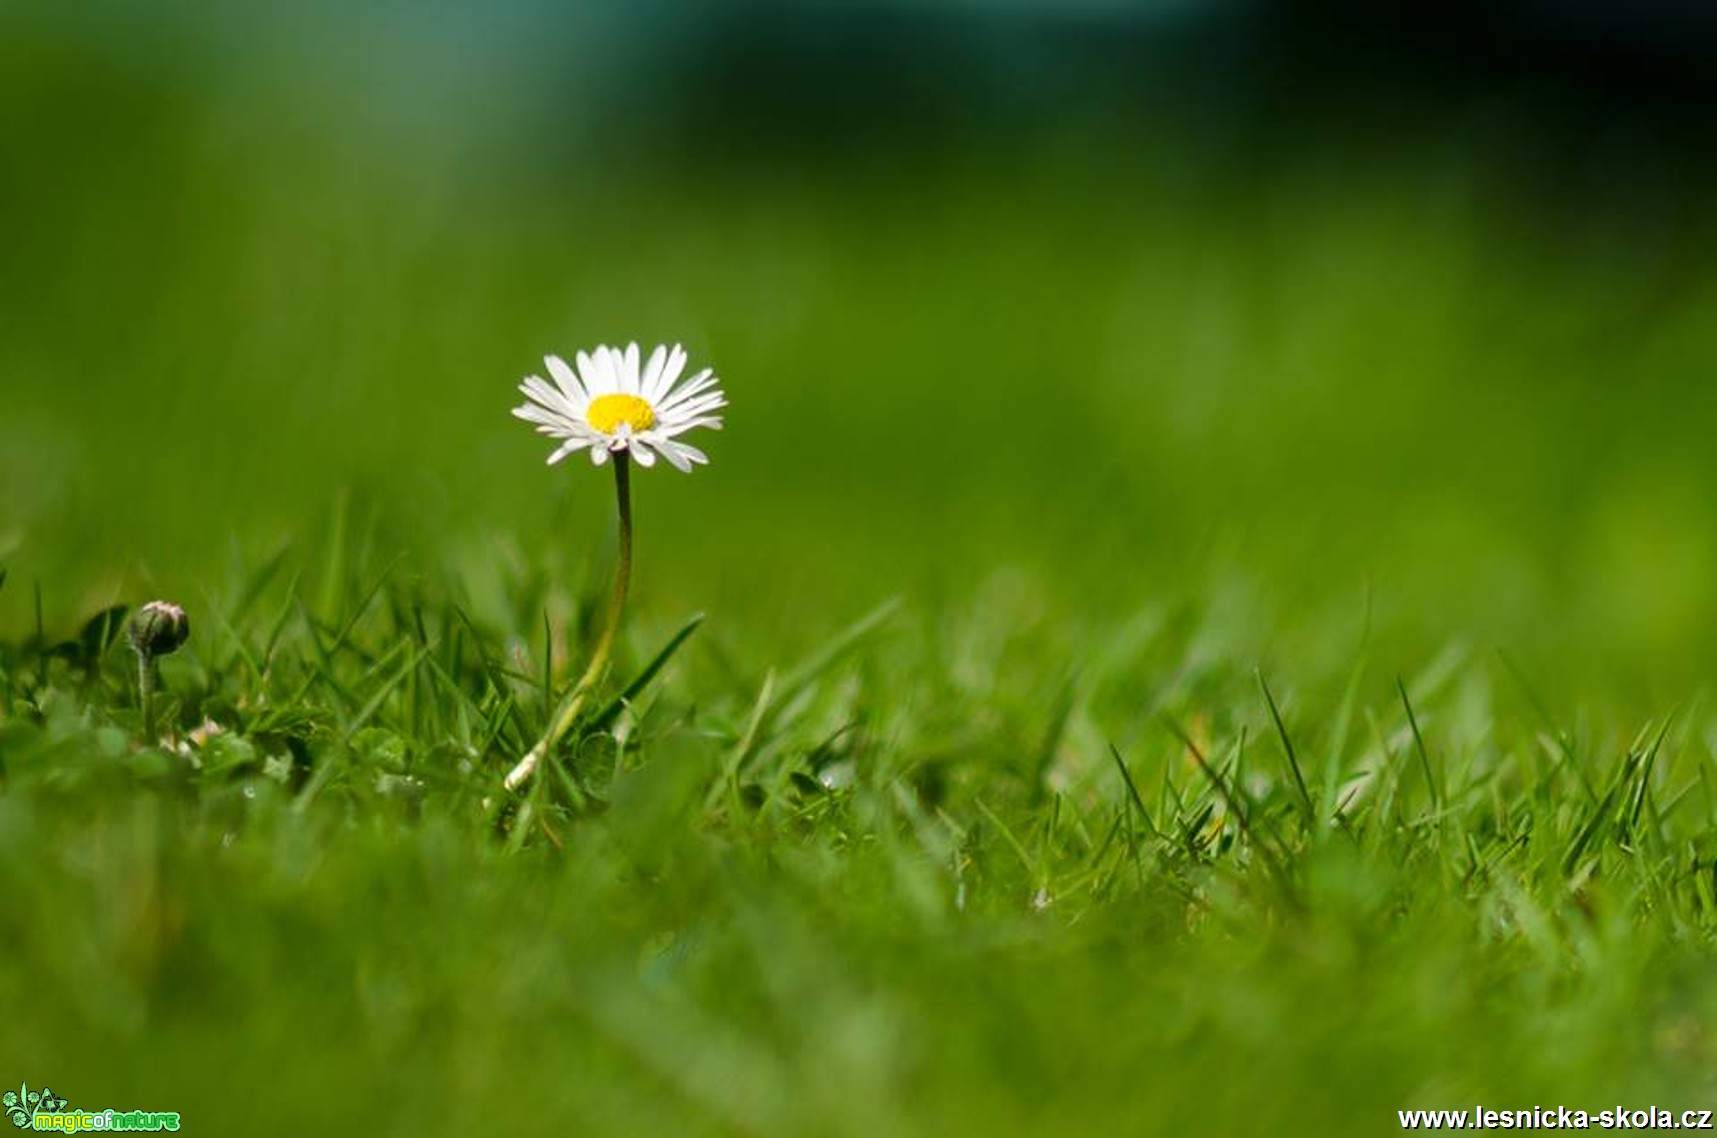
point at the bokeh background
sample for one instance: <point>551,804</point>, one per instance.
<point>1129,345</point>
<point>1363,321</point>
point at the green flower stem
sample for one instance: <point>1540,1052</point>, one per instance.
<point>599,659</point>
<point>146,692</point>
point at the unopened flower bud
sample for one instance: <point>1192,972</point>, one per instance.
<point>159,628</point>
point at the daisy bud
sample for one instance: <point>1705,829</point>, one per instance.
<point>158,629</point>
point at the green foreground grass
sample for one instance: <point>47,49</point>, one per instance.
<point>961,872</point>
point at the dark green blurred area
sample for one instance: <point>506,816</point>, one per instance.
<point>1102,299</point>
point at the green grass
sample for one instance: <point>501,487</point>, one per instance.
<point>1187,643</point>
<point>916,882</point>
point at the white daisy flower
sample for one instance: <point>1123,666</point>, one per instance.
<point>612,404</point>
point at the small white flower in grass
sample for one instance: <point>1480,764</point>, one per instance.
<point>616,406</point>
<point>615,401</point>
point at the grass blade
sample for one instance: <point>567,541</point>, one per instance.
<point>1307,808</point>
<point>1419,748</point>
<point>611,711</point>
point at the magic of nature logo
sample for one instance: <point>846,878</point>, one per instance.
<point>44,1110</point>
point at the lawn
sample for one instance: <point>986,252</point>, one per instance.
<point>1164,643</point>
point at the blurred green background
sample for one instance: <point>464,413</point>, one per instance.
<point>1374,319</point>
<point>1142,343</point>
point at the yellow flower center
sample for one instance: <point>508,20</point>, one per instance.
<point>607,412</point>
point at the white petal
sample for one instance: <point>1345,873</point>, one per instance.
<point>670,372</point>
<point>598,455</point>
<point>608,367</point>
<point>548,404</point>
<point>579,430</point>
<point>591,371</point>
<point>696,383</point>
<point>652,373</point>
<point>641,452</point>
<point>699,384</point>
<point>534,387</point>
<point>672,452</point>
<point>703,404</point>
<point>567,448</point>
<point>677,428</point>
<point>616,368</point>
<point>692,453</point>
<point>565,378</point>
<point>704,395</point>
<point>629,369</point>
<point>531,413</point>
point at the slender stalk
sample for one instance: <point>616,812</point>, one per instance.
<point>599,658</point>
<point>146,693</point>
